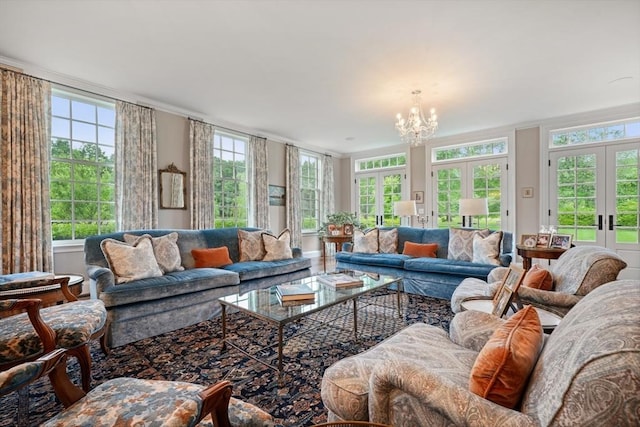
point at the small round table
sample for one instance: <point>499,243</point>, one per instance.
<point>545,253</point>
<point>338,239</point>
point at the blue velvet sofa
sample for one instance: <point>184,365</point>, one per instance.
<point>434,277</point>
<point>151,306</point>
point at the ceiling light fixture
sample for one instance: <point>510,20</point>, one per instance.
<point>416,129</point>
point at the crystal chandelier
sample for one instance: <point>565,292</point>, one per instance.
<point>416,129</point>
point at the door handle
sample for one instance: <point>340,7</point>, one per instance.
<point>610,222</point>
<point>599,222</point>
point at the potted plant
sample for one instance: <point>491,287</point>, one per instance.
<point>338,220</point>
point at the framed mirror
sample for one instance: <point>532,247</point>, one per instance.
<point>172,184</point>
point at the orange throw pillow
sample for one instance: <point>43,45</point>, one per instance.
<point>504,364</point>
<point>420,249</point>
<point>538,278</point>
<point>211,257</point>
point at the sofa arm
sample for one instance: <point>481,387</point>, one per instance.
<point>347,247</point>
<point>296,252</point>
<point>100,279</point>
<point>472,329</point>
<point>440,395</point>
<point>546,299</point>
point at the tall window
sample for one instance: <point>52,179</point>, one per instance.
<point>230,180</point>
<point>82,166</point>
<point>310,187</point>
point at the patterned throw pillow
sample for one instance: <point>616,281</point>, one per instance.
<point>165,249</point>
<point>250,245</point>
<point>461,243</point>
<point>277,247</point>
<point>425,250</point>
<point>211,257</point>
<point>131,262</point>
<point>366,242</point>
<point>388,241</point>
<point>538,278</point>
<point>501,370</point>
<point>486,250</point>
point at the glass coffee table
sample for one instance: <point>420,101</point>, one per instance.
<point>265,305</point>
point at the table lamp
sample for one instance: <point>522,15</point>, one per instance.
<point>404,208</point>
<point>471,207</point>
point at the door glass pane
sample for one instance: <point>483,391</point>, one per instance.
<point>367,201</point>
<point>627,196</point>
<point>486,183</point>
<point>576,203</point>
<point>448,184</point>
<point>391,192</point>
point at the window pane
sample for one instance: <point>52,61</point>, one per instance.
<point>83,111</point>
<point>83,131</point>
<point>60,107</point>
<point>106,116</point>
<point>60,128</point>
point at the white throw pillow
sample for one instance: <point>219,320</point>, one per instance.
<point>131,262</point>
<point>277,247</point>
<point>165,249</point>
<point>366,242</point>
<point>250,245</point>
<point>486,250</point>
<point>461,243</point>
<point>388,241</point>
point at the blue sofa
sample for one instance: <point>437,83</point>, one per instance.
<point>151,306</point>
<point>434,277</point>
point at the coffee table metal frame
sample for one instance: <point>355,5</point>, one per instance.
<point>264,304</point>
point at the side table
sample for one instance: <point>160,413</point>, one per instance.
<point>548,320</point>
<point>338,240</point>
<point>545,253</point>
<point>48,291</point>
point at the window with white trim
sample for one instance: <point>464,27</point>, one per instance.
<point>311,190</point>
<point>619,130</point>
<point>82,173</point>
<point>230,180</point>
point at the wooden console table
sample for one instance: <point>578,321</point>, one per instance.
<point>338,240</point>
<point>544,253</point>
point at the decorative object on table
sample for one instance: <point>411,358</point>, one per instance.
<point>417,129</point>
<point>347,229</point>
<point>418,196</point>
<point>561,241</point>
<point>277,195</point>
<point>172,185</point>
<point>507,291</point>
<point>542,240</point>
<point>338,220</point>
<point>529,240</point>
<point>405,209</point>
<point>471,207</point>
<point>340,280</point>
<point>295,292</point>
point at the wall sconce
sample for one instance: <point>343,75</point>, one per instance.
<point>471,207</point>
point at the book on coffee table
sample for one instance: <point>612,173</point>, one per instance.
<point>340,280</point>
<point>295,292</point>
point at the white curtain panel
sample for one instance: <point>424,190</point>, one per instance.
<point>258,182</point>
<point>136,167</point>
<point>25,139</point>
<point>327,203</point>
<point>294,214</point>
<point>201,164</point>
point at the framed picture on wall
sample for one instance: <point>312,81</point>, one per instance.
<point>418,196</point>
<point>276,195</point>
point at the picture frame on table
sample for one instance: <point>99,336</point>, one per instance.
<point>347,229</point>
<point>529,240</point>
<point>542,240</point>
<point>561,241</point>
<point>508,290</point>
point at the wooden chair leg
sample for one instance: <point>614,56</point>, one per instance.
<point>83,355</point>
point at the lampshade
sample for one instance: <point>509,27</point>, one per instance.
<point>404,208</point>
<point>474,207</point>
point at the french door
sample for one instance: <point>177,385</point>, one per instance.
<point>594,195</point>
<point>376,193</point>
<point>470,179</point>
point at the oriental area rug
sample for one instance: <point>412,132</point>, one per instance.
<point>195,354</point>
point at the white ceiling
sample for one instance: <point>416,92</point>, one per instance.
<point>319,72</point>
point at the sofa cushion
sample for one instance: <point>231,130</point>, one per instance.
<point>131,262</point>
<point>365,242</point>
<point>388,241</point>
<point>211,257</point>
<point>538,278</point>
<point>486,250</point>
<point>461,243</point>
<point>250,245</point>
<point>165,250</point>
<point>502,368</point>
<point>448,266</point>
<point>429,250</point>
<point>277,247</point>
<point>258,269</point>
<point>383,260</point>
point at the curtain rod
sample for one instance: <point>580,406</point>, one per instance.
<point>311,151</point>
<point>225,128</point>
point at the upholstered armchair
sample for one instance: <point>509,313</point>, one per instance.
<point>129,401</point>
<point>577,272</point>
<point>587,373</point>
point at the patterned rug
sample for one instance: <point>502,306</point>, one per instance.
<point>195,354</point>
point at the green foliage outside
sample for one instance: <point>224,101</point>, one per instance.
<point>230,193</point>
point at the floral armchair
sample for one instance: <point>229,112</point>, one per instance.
<point>577,272</point>
<point>588,372</point>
